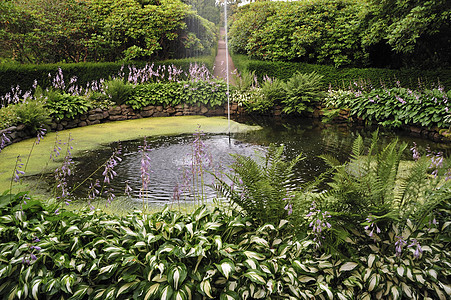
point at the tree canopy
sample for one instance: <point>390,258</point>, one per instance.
<point>393,33</point>
<point>38,31</point>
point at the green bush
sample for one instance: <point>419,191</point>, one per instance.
<point>65,106</point>
<point>303,93</point>
<point>211,93</point>
<point>261,188</point>
<point>395,107</point>
<point>33,114</point>
<point>312,31</point>
<point>8,117</point>
<point>343,78</point>
<point>117,90</point>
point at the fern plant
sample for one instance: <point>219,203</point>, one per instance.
<point>303,92</point>
<point>117,90</point>
<point>374,182</point>
<point>262,187</point>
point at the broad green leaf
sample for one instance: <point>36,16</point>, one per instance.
<point>252,254</point>
<point>305,278</point>
<point>348,266</point>
<point>180,295</point>
<point>226,267</point>
<point>260,241</point>
<point>371,259</point>
<point>373,282</point>
<point>401,270</point>
<point>177,274</point>
<point>206,288</point>
<point>212,226</point>
<point>166,292</point>
<point>406,289</point>
<point>125,287</point>
<point>229,295</point>
<point>327,290</point>
<point>80,292</point>
<point>256,276</point>
<point>35,287</point>
<point>152,291</point>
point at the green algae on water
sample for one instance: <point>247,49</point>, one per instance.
<point>95,137</point>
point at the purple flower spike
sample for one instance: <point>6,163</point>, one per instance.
<point>418,249</point>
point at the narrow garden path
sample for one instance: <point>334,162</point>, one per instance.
<point>220,70</point>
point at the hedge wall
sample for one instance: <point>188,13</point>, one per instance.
<point>24,75</point>
<point>339,77</point>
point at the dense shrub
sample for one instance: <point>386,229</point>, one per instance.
<point>343,77</point>
<point>117,90</point>
<point>66,106</point>
<point>312,31</point>
<point>303,93</point>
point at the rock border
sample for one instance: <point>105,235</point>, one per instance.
<point>125,112</point>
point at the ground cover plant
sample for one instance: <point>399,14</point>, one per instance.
<point>394,107</point>
<point>374,233</point>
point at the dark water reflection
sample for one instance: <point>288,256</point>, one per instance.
<point>171,156</point>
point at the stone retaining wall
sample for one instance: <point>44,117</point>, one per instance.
<point>125,112</point>
<point>120,113</point>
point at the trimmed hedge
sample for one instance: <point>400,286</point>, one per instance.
<point>342,77</point>
<point>12,75</point>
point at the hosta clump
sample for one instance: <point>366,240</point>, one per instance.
<point>393,107</point>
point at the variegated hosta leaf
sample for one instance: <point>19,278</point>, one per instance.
<point>176,275</point>
<point>348,266</point>
<point>229,295</point>
<point>256,276</point>
<point>212,226</point>
<point>152,291</point>
<point>326,288</point>
<point>205,287</point>
<point>256,255</point>
<point>252,263</point>
<point>166,292</point>
<point>226,267</point>
<point>260,241</point>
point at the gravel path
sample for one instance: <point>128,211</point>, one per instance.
<point>220,60</point>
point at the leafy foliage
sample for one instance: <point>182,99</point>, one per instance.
<point>311,31</point>
<point>65,106</point>
<point>33,114</point>
<point>47,31</point>
<point>303,92</point>
<point>415,30</point>
<point>117,90</point>
<point>394,107</point>
<point>211,93</point>
<point>262,189</point>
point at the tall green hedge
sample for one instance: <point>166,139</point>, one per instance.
<point>12,75</point>
<point>342,77</point>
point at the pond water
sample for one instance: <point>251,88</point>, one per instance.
<point>171,157</point>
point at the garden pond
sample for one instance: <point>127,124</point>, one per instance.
<point>175,176</point>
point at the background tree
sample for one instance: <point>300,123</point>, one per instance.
<point>45,31</point>
<point>410,32</point>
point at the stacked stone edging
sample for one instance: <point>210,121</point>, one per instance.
<point>125,112</point>
<point>120,113</point>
